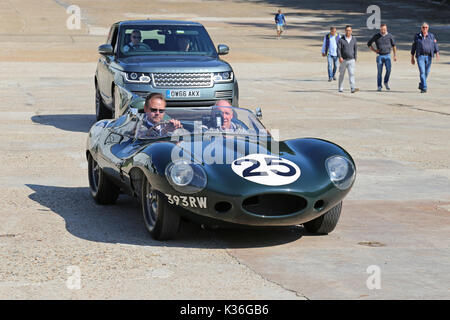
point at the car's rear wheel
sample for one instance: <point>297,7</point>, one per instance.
<point>102,189</point>
<point>159,217</point>
<point>326,222</point>
<point>101,111</point>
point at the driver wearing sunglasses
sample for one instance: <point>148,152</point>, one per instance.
<point>154,108</point>
<point>135,42</point>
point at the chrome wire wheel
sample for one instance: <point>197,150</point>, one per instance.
<point>150,206</point>
<point>160,219</point>
<point>103,190</point>
<point>94,175</point>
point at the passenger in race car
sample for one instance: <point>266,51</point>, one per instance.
<point>225,108</point>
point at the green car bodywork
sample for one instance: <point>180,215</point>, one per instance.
<point>228,197</point>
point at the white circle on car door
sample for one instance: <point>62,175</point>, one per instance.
<point>266,169</point>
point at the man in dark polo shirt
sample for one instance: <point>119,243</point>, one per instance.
<point>384,42</point>
<point>424,48</point>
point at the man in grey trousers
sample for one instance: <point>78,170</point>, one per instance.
<point>347,54</point>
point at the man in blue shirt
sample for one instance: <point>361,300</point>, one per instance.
<point>280,22</point>
<point>424,48</point>
<point>329,49</point>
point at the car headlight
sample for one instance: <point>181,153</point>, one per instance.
<point>341,171</point>
<point>186,177</point>
<point>136,77</point>
<point>226,76</point>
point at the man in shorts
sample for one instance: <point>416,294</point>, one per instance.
<point>280,22</point>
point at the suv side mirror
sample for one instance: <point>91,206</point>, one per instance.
<point>106,49</point>
<point>222,49</point>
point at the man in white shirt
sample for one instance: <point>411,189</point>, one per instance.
<point>329,49</point>
<point>135,42</point>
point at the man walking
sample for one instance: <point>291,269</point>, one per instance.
<point>424,47</point>
<point>347,53</point>
<point>329,49</point>
<point>280,22</point>
<point>384,42</point>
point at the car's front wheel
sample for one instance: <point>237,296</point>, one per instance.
<point>326,222</point>
<point>160,219</point>
<point>102,189</point>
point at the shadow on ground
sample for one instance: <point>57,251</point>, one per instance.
<point>66,122</point>
<point>123,223</point>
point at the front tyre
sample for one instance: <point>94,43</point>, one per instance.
<point>326,222</point>
<point>103,190</point>
<point>160,219</point>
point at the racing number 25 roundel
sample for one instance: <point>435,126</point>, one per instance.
<point>266,169</point>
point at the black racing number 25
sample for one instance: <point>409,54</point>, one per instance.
<point>250,171</point>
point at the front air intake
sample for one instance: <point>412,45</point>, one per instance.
<point>274,204</point>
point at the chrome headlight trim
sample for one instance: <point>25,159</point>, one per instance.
<point>341,171</point>
<point>136,77</point>
<point>195,178</point>
<point>222,77</point>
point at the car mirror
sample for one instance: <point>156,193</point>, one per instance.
<point>222,49</point>
<point>106,49</point>
<point>258,113</point>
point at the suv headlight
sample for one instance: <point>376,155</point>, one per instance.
<point>341,171</point>
<point>186,177</point>
<point>136,77</point>
<point>226,76</point>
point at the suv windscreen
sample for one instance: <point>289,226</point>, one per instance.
<point>165,40</point>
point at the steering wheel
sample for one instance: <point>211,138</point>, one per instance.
<point>164,127</point>
<point>143,46</point>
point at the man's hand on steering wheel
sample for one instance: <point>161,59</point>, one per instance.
<point>142,46</point>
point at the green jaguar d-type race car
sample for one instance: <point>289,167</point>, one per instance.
<point>217,170</point>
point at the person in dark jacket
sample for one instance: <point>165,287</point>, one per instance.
<point>152,124</point>
<point>329,50</point>
<point>424,48</point>
<point>347,54</point>
<point>384,42</point>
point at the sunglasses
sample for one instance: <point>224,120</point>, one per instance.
<point>424,27</point>
<point>154,110</point>
<point>133,37</point>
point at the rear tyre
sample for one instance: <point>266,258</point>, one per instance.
<point>101,111</point>
<point>160,219</point>
<point>103,190</point>
<point>326,222</point>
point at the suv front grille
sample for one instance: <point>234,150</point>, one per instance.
<point>182,80</point>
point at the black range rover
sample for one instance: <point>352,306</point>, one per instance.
<point>175,58</point>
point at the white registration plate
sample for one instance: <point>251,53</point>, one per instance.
<point>171,94</point>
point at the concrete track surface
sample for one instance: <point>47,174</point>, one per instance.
<point>395,223</point>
